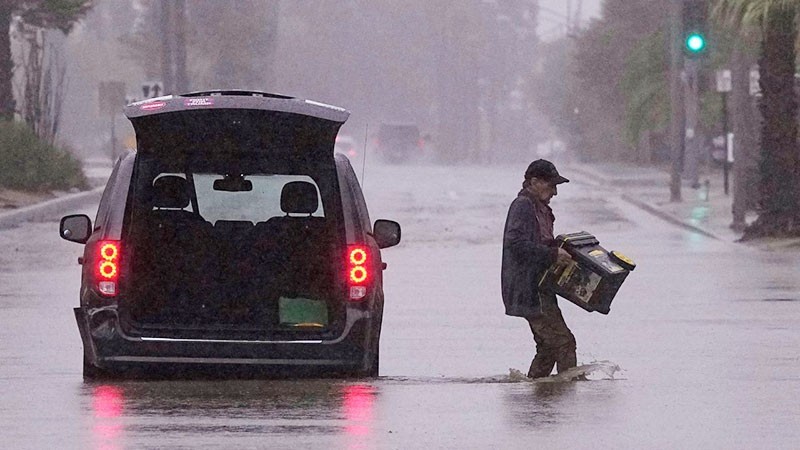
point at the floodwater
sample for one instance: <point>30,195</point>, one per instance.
<point>700,348</point>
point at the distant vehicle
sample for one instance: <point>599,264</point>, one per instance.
<point>232,242</point>
<point>399,142</point>
<point>346,145</point>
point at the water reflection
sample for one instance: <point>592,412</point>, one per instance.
<point>357,405</point>
<point>107,408</point>
<point>700,215</point>
<point>126,413</point>
<point>538,405</point>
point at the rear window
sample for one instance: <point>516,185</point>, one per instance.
<point>161,184</point>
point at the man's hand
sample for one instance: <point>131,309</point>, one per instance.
<point>563,257</point>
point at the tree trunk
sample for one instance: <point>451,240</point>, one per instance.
<point>7,104</point>
<point>779,150</point>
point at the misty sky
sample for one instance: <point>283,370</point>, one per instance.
<point>551,24</point>
<point>295,59</point>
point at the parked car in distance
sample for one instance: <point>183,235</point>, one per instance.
<point>232,243</point>
<point>346,145</point>
<point>399,142</point>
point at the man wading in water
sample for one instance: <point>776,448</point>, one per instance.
<point>528,250</point>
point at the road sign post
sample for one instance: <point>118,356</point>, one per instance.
<point>725,85</point>
<point>111,98</point>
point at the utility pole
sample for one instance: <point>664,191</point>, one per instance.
<point>181,78</point>
<point>569,17</point>
<point>173,46</point>
<point>693,142</point>
<point>166,47</point>
<point>677,132</point>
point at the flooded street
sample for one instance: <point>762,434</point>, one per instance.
<point>704,334</point>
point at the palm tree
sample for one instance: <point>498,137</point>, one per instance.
<point>779,213</point>
<point>60,14</point>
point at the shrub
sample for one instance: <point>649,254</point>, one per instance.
<point>27,163</point>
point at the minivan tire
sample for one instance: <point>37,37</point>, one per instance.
<point>374,360</point>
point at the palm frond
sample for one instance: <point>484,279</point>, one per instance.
<point>749,12</point>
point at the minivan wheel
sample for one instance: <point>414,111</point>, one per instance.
<point>374,360</point>
<point>372,363</point>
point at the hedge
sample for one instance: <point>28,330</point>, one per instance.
<point>29,164</point>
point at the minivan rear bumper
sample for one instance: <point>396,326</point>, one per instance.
<point>108,348</point>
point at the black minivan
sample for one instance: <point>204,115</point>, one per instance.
<point>232,242</point>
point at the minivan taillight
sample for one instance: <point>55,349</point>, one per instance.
<point>358,272</point>
<point>106,268</point>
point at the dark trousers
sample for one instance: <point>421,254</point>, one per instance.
<point>555,343</point>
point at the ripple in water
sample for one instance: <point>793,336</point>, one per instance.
<point>593,371</point>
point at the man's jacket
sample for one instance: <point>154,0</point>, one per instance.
<point>525,258</point>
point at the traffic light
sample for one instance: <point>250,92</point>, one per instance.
<point>695,25</point>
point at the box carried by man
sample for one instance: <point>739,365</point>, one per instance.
<point>592,278</point>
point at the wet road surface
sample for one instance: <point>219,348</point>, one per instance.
<point>704,332</point>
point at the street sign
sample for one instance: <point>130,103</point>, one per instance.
<point>755,76</point>
<point>724,81</point>
<point>730,148</point>
<point>152,89</point>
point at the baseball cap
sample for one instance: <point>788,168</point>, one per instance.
<point>545,170</point>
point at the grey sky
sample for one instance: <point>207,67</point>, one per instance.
<point>553,13</point>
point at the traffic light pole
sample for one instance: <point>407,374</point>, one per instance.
<point>678,112</point>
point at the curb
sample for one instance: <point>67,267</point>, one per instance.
<point>50,210</point>
<point>604,180</point>
<point>668,217</point>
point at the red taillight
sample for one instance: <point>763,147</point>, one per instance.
<point>358,274</point>
<point>108,270</point>
<point>107,267</point>
<point>358,256</point>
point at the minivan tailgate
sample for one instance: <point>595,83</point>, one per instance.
<point>282,127</point>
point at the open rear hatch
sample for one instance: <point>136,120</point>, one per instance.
<point>234,227</point>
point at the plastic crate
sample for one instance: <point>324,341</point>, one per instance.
<point>592,278</point>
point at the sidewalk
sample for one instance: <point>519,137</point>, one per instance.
<point>706,210</point>
<point>48,210</point>
<point>18,207</point>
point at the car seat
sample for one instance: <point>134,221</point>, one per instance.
<point>299,240</point>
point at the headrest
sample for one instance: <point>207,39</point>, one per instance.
<point>299,197</point>
<point>171,191</point>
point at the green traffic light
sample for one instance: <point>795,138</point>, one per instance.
<point>695,43</point>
